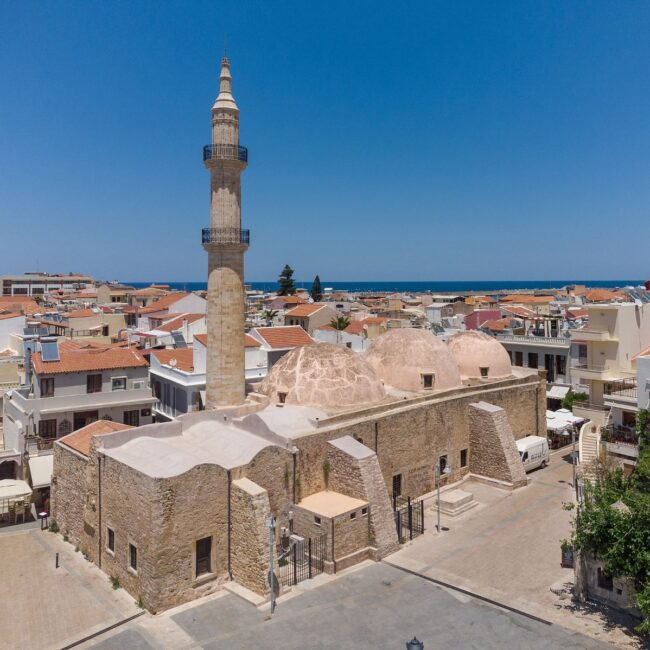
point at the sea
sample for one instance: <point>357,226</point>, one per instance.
<point>464,286</point>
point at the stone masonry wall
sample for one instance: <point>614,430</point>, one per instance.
<point>67,493</point>
<point>250,536</point>
<point>494,452</point>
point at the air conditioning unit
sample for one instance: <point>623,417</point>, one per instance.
<point>138,384</point>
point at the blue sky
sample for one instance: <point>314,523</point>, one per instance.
<point>446,141</point>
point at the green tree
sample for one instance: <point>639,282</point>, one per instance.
<point>285,282</point>
<point>339,323</point>
<point>571,398</point>
<point>316,292</point>
<point>268,315</point>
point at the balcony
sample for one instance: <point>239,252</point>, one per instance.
<point>600,371</point>
<point>622,393</point>
<point>538,341</point>
<point>225,152</point>
<point>623,441</point>
<point>594,412</point>
<point>225,236</point>
<point>587,334</point>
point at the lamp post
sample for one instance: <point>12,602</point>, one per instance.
<point>414,644</point>
<point>270,524</point>
<point>446,472</point>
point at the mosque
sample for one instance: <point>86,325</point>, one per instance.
<point>325,443</point>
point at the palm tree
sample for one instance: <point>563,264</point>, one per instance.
<point>339,323</point>
<point>268,315</point>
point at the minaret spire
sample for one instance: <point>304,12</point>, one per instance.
<point>225,243</point>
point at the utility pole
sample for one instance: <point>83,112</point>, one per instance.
<point>270,524</point>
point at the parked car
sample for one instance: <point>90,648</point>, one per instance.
<point>534,452</point>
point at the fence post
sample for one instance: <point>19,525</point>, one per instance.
<point>422,515</point>
<point>295,566</point>
<point>410,511</point>
<point>399,525</point>
<point>309,549</point>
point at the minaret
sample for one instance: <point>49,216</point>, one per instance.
<point>226,244</point>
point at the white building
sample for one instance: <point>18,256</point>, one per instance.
<point>170,306</point>
<point>11,326</point>
<point>37,284</point>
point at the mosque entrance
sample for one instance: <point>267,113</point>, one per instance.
<point>409,517</point>
<point>302,560</point>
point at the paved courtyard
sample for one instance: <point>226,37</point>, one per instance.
<point>45,607</point>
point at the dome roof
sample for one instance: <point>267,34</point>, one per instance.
<point>403,357</point>
<point>476,351</point>
<point>323,375</point>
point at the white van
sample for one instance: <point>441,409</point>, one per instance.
<point>534,452</point>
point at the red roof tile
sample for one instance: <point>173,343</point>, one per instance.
<point>177,323</point>
<point>284,337</point>
<point>181,358</point>
<point>80,439</point>
<point>164,303</point>
<point>90,358</point>
<point>249,341</point>
<point>303,311</point>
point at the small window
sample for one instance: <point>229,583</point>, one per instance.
<point>203,556</point>
<point>132,418</point>
<point>47,387</point>
<point>364,512</point>
<point>110,540</point>
<point>484,372</point>
<point>442,464</point>
<point>463,457</point>
<point>397,485</point>
<point>317,520</point>
<point>353,515</point>
<point>145,413</point>
<point>93,383</point>
<point>133,557</point>
<point>427,381</point>
<point>282,397</point>
<point>605,581</point>
<point>47,428</point>
<point>348,344</point>
<point>118,383</point>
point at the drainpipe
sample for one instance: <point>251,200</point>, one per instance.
<point>229,522</point>
<point>376,436</point>
<point>99,499</point>
<point>294,453</point>
<point>333,556</point>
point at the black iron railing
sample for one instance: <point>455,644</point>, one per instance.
<point>620,434</point>
<point>225,152</point>
<point>225,236</point>
<point>622,388</point>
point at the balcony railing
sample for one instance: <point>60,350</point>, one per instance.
<point>591,407</point>
<point>618,434</point>
<point>623,388</point>
<point>225,236</point>
<point>225,152</point>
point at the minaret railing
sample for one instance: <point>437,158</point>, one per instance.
<point>225,152</point>
<point>225,236</point>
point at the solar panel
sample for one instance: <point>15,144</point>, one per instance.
<point>30,331</point>
<point>179,340</point>
<point>50,351</point>
<point>43,331</point>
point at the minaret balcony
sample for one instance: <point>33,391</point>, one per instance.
<point>225,152</point>
<point>225,236</point>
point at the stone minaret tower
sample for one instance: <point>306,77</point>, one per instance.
<point>226,244</point>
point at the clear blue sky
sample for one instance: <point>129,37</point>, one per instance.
<point>449,140</point>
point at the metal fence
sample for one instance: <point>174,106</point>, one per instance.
<point>409,517</point>
<point>303,560</point>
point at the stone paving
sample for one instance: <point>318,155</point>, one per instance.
<point>45,607</point>
<point>373,607</point>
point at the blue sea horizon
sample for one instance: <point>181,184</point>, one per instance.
<point>478,286</point>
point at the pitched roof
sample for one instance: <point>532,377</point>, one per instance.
<point>79,440</point>
<point>604,295</point>
<point>289,336</point>
<point>11,314</point>
<point>576,312</point>
<point>81,313</point>
<point>522,312</point>
<point>89,358</point>
<point>527,299</point>
<point>177,323</point>
<point>496,325</point>
<point>165,302</point>
<point>183,357</point>
<point>24,304</point>
<point>303,311</point>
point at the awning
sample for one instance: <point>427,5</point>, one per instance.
<point>14,489</point>
<point>558,392</point>
<point>202,397</point>
<point>40,470</point>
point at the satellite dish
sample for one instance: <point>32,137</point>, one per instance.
<point>173,362</point>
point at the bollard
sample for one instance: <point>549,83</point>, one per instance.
<point>57,561</point>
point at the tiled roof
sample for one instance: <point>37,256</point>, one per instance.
<point>374,320</point>
<point>89,358</point>
<point>11,314</point>
<point>24,304</point>
<point>79,440</point>
<point>496,325</point>
<point>527,299</point>
<point>303,311</point>
<point>81,313</point>
<point>177,323</point>
<point>355,327</point>
<point>249,341</point>
<point>184,358</point>
<point>604,295</point>
<point>576,312</point>
<point>289,336</point>
<point>522,312</point>
<point>643,353</point>
<point>164,303</point>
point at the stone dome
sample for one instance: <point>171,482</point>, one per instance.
<point>480,356</point>
<point>323,375</point>
<point>413,359</point>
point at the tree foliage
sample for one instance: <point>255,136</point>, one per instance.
<point>316,292</point>
<point>268,315</point>
<point>339,323</point>
<point>613,522</point>
<point>571,398</point>
<point>285,282</point>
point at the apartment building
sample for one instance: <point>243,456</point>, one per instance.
<point>37,284</point>
<point>69,385</point>
<point>310,316</point>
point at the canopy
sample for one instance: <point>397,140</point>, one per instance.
<point>14,489</point>
<point>40,469</point>
<point>558,421</point>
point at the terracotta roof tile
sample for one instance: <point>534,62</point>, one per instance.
<point>249,341</point>
<point>89,358</point>
<point>284,337</point>
<point>302,311</point>
<point>11,314</point>
<point>80,439</point>
<point>184,358</point>
<point>525,299</point>
<point>177,323</point>
<point>604,295</point>
<point>164,303</point>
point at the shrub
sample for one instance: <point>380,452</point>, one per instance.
<point>115,582</point>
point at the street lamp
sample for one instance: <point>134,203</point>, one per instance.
<point>414,644</point>
<point>270,524</point>
<point>446,471</point>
